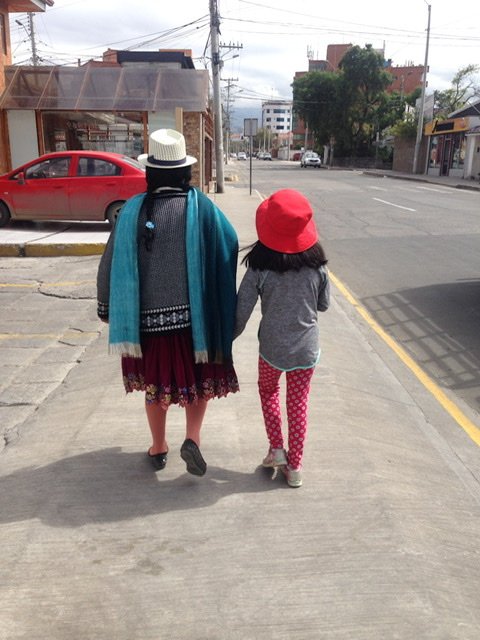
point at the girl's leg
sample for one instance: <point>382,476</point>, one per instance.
<point>269,390</point>
<point>298,388</point>
<point>194,416</point>
<point>157,419</point>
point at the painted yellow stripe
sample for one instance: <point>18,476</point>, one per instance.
<point>453,410</point>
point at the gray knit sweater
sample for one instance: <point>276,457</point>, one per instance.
<point>164,302</point>
<point>288,334</point>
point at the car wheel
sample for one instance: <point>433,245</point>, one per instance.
<point>113,211</point>
<point>4,214</point>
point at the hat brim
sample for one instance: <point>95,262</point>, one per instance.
<point>143,159</point>
<point>272,239</point>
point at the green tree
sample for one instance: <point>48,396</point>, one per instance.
<point>464,85</point>
<point>350,105</point>
<point>317,101</point>
<point>364,82</point>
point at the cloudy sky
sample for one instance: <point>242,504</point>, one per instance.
<point>276,36</point>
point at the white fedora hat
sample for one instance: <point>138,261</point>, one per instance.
<point>166,150</point>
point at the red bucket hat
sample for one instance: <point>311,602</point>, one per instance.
<point>285,222</point>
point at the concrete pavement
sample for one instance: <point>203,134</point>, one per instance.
<point>27,239</point>
<point>380,543</point>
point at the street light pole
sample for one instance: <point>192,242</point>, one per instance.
<point>422,99</point>
<point>217,104</point>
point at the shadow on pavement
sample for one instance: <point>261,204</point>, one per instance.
<point>109,485</point>
<point>447,349</point>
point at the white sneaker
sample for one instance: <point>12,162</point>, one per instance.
<point>275,458</point>
<point>294,477</point>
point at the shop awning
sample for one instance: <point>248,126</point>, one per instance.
<point>101,88</point>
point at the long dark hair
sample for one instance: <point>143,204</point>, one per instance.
<point>176,179</point>
<point>261,258</point>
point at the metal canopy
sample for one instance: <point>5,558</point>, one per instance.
<point>101,88</point>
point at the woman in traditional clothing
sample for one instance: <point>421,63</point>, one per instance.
<point>167,286</point>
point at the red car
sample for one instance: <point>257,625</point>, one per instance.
<point>70,185</point>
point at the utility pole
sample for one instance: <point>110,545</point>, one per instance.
<point>217,105</point>
<point>230,84</point>
<point>32,40</point>
<point>422,99</point>
<point>31,34</point>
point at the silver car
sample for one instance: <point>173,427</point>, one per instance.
<point>310,159</point>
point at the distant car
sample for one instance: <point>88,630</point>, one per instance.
<point>267,156</point>
<point>260,155</point>
<point>241,155</point>
<point>310,159</point>
<point>70,185</point>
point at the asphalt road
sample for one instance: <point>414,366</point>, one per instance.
<point>409,252</point>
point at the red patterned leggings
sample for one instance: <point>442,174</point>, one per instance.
<point>298,388</point>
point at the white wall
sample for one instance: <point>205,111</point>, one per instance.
<point>22,130</point>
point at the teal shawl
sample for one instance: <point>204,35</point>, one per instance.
<point>211,249</point>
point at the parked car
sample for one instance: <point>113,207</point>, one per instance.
<point>310,159</point>
<point>267,156</point>
<point>70,185</point>
<point>241,155</point>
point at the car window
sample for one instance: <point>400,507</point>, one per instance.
<point>53,168</point>
<point>97,167</point>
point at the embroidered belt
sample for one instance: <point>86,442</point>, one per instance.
<point>165,319</point>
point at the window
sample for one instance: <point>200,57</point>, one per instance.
<point>96,167</point>
<point>459,147</point>
<point>3,34</point>
<point>55,168</point>
<point>433,160</point>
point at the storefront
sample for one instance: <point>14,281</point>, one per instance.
<point>450,146</point>
<point>103,107</point>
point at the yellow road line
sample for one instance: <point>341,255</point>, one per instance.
<point>452,409</point>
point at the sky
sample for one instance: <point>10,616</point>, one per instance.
<point>270,39</point>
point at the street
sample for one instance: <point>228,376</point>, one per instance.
<point>380,543</point>
<point>409,253</point>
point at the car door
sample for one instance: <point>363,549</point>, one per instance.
<point>97,183</point>
<point>42,194</point>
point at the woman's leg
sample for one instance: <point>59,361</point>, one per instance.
<point>194,415</point>
<point>157,419</point>
<point>269,390</point>
<point>298,388</point>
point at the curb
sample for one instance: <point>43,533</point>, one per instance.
<point>50,250</point>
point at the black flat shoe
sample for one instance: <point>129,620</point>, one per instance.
<point>158,460</point>
<point>190,454</point>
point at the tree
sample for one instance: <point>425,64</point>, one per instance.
<point>350,105</point>
<point>464,85</point>
<point>316,100</point>
<point>364,82</point>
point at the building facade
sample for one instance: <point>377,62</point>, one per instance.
<point>454,144</point>
<point>277,116</point>
<point>6,8</point>
<point>111,105</point>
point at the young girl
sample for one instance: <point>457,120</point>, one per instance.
<point>286,268</point>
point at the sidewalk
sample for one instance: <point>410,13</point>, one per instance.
<point>77,238</point>
<point>380,543</point>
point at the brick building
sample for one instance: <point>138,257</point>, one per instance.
<point>405,80</point>
<point>6,8</point>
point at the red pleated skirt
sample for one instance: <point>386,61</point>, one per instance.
<point>168,374</point>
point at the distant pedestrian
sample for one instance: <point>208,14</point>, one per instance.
<point>167,286</point>
<point>287,269</point>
